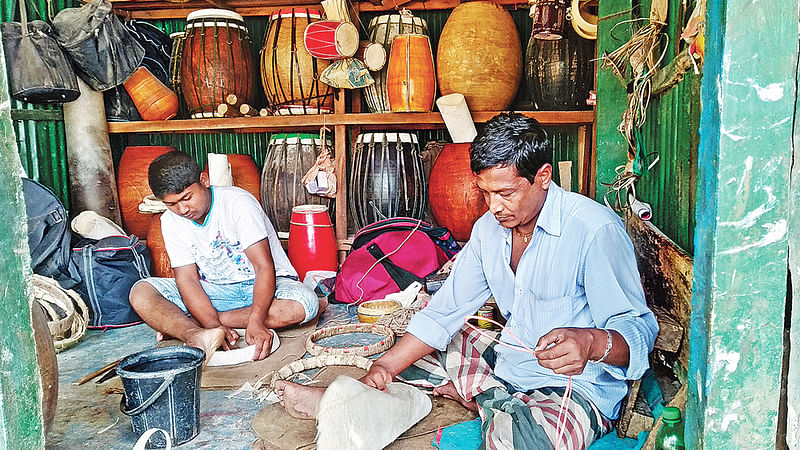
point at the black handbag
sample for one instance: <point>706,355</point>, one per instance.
<point>38,70</point>
<point>103,51</point>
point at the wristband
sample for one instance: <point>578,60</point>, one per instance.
<point>608,348</point>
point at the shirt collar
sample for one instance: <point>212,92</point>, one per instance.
<point>550,215</point>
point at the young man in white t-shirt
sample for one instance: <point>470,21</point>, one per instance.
<point>230,269</point>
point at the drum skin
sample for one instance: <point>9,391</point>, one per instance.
<point>158,251</point>
<point>455,200</point>
<point>387,175</point>
<point>560,72</point>
<point>289,74</point>
<point>133,186</point>
<point>245,174</point>
<point>288,158</point>
<point>479,55</point>
<point>411,78</point>
<point>48,364</point>
<point>216,61</point>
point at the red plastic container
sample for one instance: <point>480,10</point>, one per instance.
<point>312,244</point>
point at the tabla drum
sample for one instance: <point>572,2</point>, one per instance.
<point>410,76</point>
<point>383,29</point>
<point>549,19</point>
<point>559,72</point>
<point>387,178</point>
<point>289,74</point>
<point>289,156</point>
<point>216,61</point>
<point>331,40</point>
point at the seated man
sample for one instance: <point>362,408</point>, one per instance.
<point>563,273</point>
<point>230,270</point>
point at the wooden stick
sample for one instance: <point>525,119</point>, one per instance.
<point>97,372</point>
<point>263,112</point>
<point>231,99</point>
<point>247,110</point>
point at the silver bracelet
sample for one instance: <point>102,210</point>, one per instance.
<point>609,343</point>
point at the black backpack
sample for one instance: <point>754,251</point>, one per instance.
<point>49,235</point>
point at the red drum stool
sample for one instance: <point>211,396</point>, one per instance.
<point>312,244</point>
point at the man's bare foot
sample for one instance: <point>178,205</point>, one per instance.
<point>208,340</point>
<point>449,391</point>
<point>299,401</point>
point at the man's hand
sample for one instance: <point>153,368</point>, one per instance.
<point>259,335</point>
<point>378,376</point>
<point>565,350</point>
<point>231,337</point>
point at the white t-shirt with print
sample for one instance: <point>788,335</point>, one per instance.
<point>235,221</point>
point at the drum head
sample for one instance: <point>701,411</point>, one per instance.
<point>212,13</point>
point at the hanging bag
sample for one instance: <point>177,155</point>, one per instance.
<point>38,70</point>
<point>102,50</point>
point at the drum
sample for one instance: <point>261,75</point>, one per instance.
<point>387,178</point>
<point>289,156</point>
<point>383,29</point>
<point>410,76</point>
<point>372,54</point>
<point>216,61</point>
<point>456,202</point>
<point>290,75</point>
<point>312,244</point>
<point>549,18</point>
<point>560,73</point>
<point>158,251</point>
<point>245,174</point>
<point>331,40</point>
<point>133,186</point>
<point>178,41</point>
<point>479,56</point>
<point>153,99</point>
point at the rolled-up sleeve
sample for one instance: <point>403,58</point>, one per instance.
<point>616,298</point>
<point>464,291</point>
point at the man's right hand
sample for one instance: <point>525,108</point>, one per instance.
<point>378,376</point>
<point>231,338</point>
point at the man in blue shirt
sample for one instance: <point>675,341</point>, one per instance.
<point>563,273</point>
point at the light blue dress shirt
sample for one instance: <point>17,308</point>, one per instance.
<point>578,270</point>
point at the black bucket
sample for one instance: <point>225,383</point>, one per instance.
<point>162,390</point>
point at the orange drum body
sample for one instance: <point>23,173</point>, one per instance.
<point>479,55</point>
<point>455,200</point>
<point>331,40</point>
<point>132,186</point>
<point>216,61</point>
<point>410,77</point>
<point>152,98</point>
<point>245,174</point>
<point>290,74</point>
<point>312,244</point>
<point>158,251</point>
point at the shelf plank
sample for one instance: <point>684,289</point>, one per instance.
<point>315,121</point>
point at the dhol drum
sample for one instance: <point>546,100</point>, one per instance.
<point>290,75</point>
<point>288,158</point>
<point>331,40</point>
<point>387,178</point>
<point>383,29</point>
<point>372,54</point>
<point>312,243</point>
<point>560,73</point>
<point>549,19</point>
<point>410,77</point>
<point>216,61</point>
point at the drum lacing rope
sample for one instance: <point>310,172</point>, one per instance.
<point>561,421</point>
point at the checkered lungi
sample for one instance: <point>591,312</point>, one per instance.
<point>510,419</point>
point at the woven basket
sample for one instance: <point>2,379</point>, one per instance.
<point>362,350</point>
<point>317,362</point>
<point>67,313</point>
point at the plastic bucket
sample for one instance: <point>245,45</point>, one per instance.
<point>162,390</point>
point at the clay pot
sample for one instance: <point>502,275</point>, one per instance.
<point>133,186</point>
<point>152,98</point>
<point>453,194</point>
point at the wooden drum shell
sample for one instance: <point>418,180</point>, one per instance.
<point>455,200</point>
<point>559,72</point>
<point>411,77</point>
<point>133,186</point>
<point>479,55</point>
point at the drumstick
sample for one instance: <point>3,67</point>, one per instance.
<point>247,110</point>
<point>231,99</point>
<point>97,372</point>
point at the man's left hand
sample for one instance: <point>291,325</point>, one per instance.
<point>565,350</point>
<point>259,335</point>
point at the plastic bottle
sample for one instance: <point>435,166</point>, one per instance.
<point>670,436</point>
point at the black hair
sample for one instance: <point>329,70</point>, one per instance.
<point>511,139</point>
<point>172,173</point>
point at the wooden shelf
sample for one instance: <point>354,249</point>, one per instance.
<point>315,121</point>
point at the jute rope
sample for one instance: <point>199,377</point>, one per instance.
<point>67,313</point>
<point>363,350</point>
<point>398,321</point>
<point>317,362</point>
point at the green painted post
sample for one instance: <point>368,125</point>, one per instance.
<point>20,389</point>
<point>741,241</point>
<point>612,150</point>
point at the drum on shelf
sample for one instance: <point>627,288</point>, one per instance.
<point>289,157</point>
<point>158,251</point>
<point>549,19</point>
<point>372,54</point>
<point>410,76</point>
<point>289,74</point>
<point>216,61</point>
<point>178,41</point>
<point>383,29</point>
<point>331,40</point>
<point>312,243</point>
<point>560,73</point>
<point>455,200</point>
<point>132,186</point>
<point>387,178</point>
<point>245,174</point>
<point>479,56</point>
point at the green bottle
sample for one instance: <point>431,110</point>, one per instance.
<point>670,436</point>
